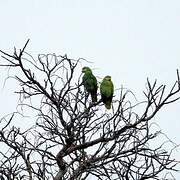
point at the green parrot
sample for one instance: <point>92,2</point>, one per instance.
<point>90,83</point>
<point>107,90</point>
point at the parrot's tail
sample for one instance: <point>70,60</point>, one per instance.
<point>94,97</point>
<point>108,104</point>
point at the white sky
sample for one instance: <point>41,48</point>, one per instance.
<point>127,39</point>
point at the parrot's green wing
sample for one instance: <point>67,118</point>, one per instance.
<point>107,90</point>
<point>90,83</point>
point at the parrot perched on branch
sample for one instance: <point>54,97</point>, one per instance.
<point>107,90</point>
<point>90,83</point>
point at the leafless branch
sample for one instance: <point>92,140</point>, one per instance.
<point>72,138</point>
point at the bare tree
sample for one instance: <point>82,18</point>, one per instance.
<point>72,138</point>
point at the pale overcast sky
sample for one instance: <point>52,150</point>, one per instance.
<point>127,39</point>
